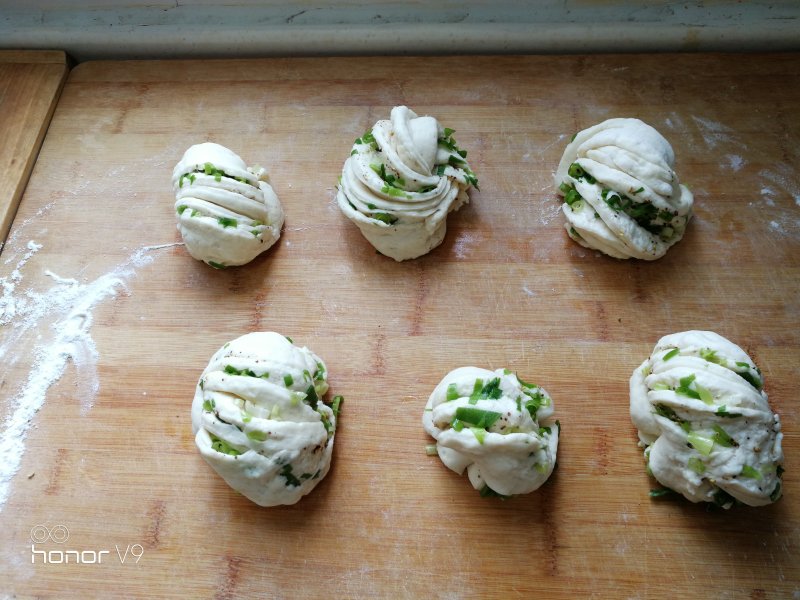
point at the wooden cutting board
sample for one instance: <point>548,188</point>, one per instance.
<point>110,457</point>
<point>30,82</point>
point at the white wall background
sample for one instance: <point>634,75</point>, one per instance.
<point>183,28</point>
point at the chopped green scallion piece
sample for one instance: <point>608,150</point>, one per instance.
<point>572,196</point>
<point>385,217</point>
<point>477,417</point>
<point>209,405</point>
<point>257,436</point>
<point>227,222</point>
<point>491,391</point>
<point>710,356</point>
<point>288,380</point>
<point>222,446</point>
<point>722,411</point>
<point>476,391</point>
<point>452,392</point>
<point>700,443</point>
<point>291,480</point>
<point>336,405</point>
<point>671,354</point>
<point>684,388</point>
<point>750,472</point>
<point>311,397</point>
<point>696,465</point>
<point>722,438</point>
<point>577,172</point>
<point>480,434</point>
<point>704,394</point>
<point>319,374</point>
<point>431,450</point>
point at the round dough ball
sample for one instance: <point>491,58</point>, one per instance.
<point>227,212</point>
<point>705,422</point>
<point>400,182</point>
<point>259,419</point>
<point>621,194</point>
<point>489,423</point>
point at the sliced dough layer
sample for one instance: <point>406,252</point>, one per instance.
<point>621,194</point>
<point>402,179</point>
<point>259,419</point>
<point>227,212</point>
<point>705,422</point>
<point>492,424</point>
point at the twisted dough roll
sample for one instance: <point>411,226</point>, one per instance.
<point>227,212</point>
<point>489,423</point>
<point>621,194</point>
<point>402,179</point>
<point>259,420</point>
<point>705,422</point>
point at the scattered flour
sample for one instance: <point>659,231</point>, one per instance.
<point>780,192</point>
<point>735,162</point>
<point>67,309</point>
<point>715,133</point>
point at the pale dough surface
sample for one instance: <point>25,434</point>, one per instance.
<point>517,453</point>
<point>633,161</point>
<point>683,433</point>
<point>403,215</point>
<point>262,397</point>
<point>225,219</point>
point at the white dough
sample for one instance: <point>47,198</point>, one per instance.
<point>227,212</point>
<point>630,173</point>
<point>259,419</point>
<point>514,454</point>
<point>404,216</point>
<point>708,431</point>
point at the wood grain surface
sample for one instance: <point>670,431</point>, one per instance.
<point>30,82</point>
<point>115,462</point>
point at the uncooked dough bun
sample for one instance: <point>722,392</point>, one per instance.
<point>227,212</point>
<point>705,422</point>
<point>621,194</point>
<point>402,179</point>
<point>259,419</point>
<point>490,423</point>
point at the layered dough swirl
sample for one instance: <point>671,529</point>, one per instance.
<point>490,423</point>
<point>259,419</point>
<point>227,212</point>
<point>621,194</point>
<point>400,182</point>
<point>703,417</point>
